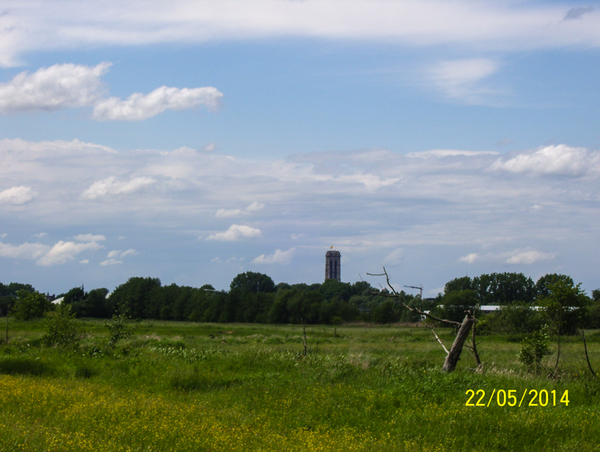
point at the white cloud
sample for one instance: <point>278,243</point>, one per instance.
<point>255,206</point>
<point>278,257</point>
<point>28,150</point>
<point>110,261</point>
<point>516,257</point>
<point>462,79</point>
<point>210,147</point>
<point>528,257</point>
<point>440,153</point>
<point>40,25</point>
<point>439,210</point>
<point>53,88</point>
<point>470,258</point>
<point>89,238</point>
<point>41,235</point>
<point>24,251</point>
<point>139,106</point>
<point>65,86</point>
<point>228,213</point>
<point>560,159</point>
<point>66,251</point>
<point>121,254</point>
<point>236,232</point>
<point>16,195</point>
<point>46,255</point>
<point>110,186</point>
<point>84,261</point>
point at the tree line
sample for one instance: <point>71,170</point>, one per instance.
<point>255,298</point>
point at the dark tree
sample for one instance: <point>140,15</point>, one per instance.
<point>252,282</point>
<point>462,283</point>
<point>75,295</point>
<point>542,286</point>
<point>131,298</point>
<point>457,302</point>
<point>95,305</point>
<point>30,305</point>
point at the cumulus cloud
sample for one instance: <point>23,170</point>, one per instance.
<point>46,255</point>
<point>65,86</point>
<point>559,159</point>
<point>110,261</point>
<point>66,251</point>
<point>236,232</point>
<point>53,88</point>
<point>90,237</point>
<point>278,257</point>
<point>139,106</point>
<point>24,251</point>
<point>110,186</point>
<point>16,195</point>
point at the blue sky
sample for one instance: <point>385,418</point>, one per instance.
<point>192,141</point>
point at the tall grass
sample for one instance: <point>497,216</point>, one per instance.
<point>193,387</point>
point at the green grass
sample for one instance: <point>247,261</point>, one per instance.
<point>178,386</point>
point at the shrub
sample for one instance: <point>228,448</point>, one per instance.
<point>19,365</point>
<point>118,329</point>
<point>534,348</point>
<point>30,305</point>
<point>62,328</point>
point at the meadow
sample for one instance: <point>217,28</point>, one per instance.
<point>182,386</point>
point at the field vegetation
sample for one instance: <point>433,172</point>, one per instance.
<point>185,386</point>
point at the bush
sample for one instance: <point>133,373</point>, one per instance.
<point>62,328</point>
<point>534,348</point>
<point>118,329</point>
<point>18,365</point>
<point>30,305</point>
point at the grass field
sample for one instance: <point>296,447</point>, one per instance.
<point>178,386</point>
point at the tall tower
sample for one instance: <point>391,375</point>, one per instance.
<point>333,265</point>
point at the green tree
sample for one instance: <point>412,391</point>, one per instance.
<point>386,312</point>
<point>462,283</point>
<point>542,286</point>
<point>504,288</point>
<point>94,305</point>
<point>252,282</point>
<point>565,310</point>
<point>455,304</point>
<point>132,298</point>
<point>75,295</point>
<point>30,305</point>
